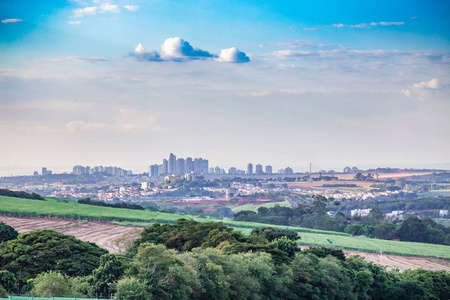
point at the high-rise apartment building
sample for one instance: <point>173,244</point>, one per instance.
<point>180,169</point>
<point>165,167</point>
<point>269,170</point>
<point>288,171</point>
<point>259,169</point>
<point>249,169</point>
<point>77,170</point>
<point>205,166</point>
<point>189,165</point>
<point>232,170</point>
<point>154,171</point>
<point>172,164</point>
<point>198,162</point>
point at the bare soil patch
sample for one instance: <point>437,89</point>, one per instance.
<point>104,235</point>
<point>400,262</point>
<point>101,233</point>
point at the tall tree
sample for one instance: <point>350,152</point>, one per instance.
<point>7,232</point>
<point>46,250</point>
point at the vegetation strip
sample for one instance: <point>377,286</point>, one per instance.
<point>31,208</point>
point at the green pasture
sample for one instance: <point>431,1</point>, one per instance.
<point>35,208</point>
<point>254,208</point>
<point>435,193</point>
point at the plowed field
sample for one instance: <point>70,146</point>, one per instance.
<point>104,234</point>
<point>100,233</point>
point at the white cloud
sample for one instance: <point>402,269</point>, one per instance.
<point>148,55</point>
<point>422,89</point>
<point>131,7</point>
<point>93,10</point>
<point>371,24</point>
<point>80,12</point>
<point>299,44</point>
<point>432,84</point>
<point>77,22</point>
<point>177,48</point>
<point>261,93</point>
<point>139,49</point>
<point>407,93</point>
<point>292,91</point>
<point>85,126</point>
<point>11,20</point>
<point>233,55</point>
<point>106,7</point>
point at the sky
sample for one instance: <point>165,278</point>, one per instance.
<point>281,83</point>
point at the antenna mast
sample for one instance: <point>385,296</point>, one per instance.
<point>310,175</point>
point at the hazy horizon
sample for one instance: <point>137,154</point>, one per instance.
<point>124,83</point>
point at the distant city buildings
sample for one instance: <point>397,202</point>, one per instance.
<point>360,212</point>
<point>46,172</point>
<point>180,166</point>
<point>259,169</point>
<point>154,170</point>
<point>249,169</point>
<point>113,171</point>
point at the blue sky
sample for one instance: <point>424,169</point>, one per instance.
<point>339,83</point>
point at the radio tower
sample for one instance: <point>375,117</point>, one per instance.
<point>310,178</point>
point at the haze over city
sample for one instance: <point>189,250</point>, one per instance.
<point>280,83</point>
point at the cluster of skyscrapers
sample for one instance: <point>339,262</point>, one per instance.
<point>44,172</point>
<point>179,166</point>
<point>113,171</point>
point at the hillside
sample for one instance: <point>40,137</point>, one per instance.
<point>55,208</point>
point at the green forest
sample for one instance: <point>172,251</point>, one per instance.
<point>192,260</point>
<point>374,225</point>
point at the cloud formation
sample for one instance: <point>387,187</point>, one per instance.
<point>422,88</point>
<point>77,22</point>
<point>106,7</point>
<point>93,10</point>
<point>233,55</point>
<point>11,21</point>
<point>131,7</point>
<point>177,49</point>
<point>304,44</point>
<point>81,12</point>
<point>146,55</point>
<point>368,25</point>
<point>432,84</point>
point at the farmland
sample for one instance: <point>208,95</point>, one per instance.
<point>105,235</point>
<point>253,207</point>
<point>33,208</point>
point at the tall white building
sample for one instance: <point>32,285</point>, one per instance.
<point>172,164</point>
<point>249,169</point>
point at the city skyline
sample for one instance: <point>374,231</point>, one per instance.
<point>111,82</point>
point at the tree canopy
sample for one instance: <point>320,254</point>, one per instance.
<point>46,250</point>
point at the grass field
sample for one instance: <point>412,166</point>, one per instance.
<point>35,208</point>
<point>254,208</point>
<point>435,193</point>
